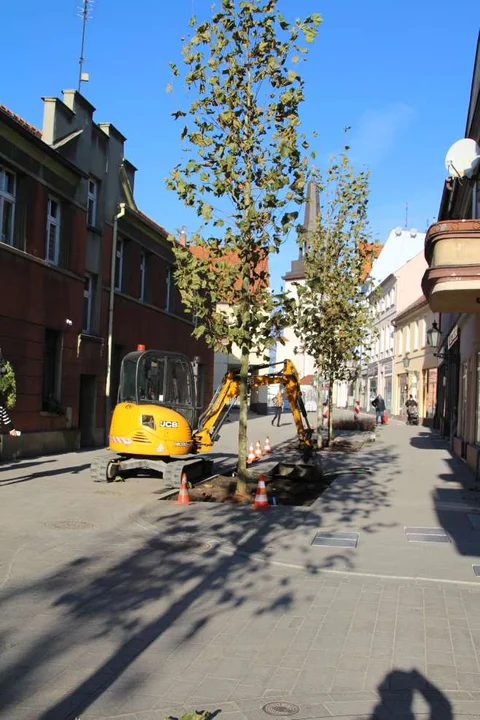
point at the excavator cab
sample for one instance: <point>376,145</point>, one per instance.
<point>157,377</point>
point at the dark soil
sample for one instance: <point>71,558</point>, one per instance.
<point>293,485</point>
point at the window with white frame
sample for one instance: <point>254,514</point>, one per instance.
<point>53,231</point>
<point>407,339</point>
<point>143,273</point>
<point>400,342</point>
<point>119,265</point>
<point>415,335</point>
<point>7,205</point>
<point>87,304</point>
<point>423,332</point>
<point>92,201</point>
<point>392,337</point>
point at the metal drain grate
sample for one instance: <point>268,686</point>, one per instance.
<point>281,709</point>
<point>476,570</point>
<point>336,539</point>
<point>426,535</point>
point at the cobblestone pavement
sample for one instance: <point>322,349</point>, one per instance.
<point>128,607</point>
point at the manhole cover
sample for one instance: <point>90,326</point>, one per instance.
<point>68,525</point>
<point>282,709</point>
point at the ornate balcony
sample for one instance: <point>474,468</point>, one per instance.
<point>452,281</point>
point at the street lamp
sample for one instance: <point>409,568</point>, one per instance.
<point>434,335</point>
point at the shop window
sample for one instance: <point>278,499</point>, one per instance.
<point>477,413</point>
<point>463,418</point>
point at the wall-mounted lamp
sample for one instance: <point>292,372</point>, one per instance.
<point>406,362</point>
<point>68,322</point>
<point>433,340</point>
<point>433,336</point>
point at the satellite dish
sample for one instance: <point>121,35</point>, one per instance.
<point>398,231</point>
<point>462,158</point>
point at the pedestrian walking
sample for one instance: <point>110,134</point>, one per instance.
<point>6,422</point>
<point>379,405</point>
<point>278,401</point>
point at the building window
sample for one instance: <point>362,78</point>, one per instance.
<point>400,342</point>
<point>7,205</point>
<point>415,335</point>
<point>143,273</point>
<point>407,339</point>
<point>168,290</point>
<point>53,231</point>
<point>119,265</point>
<point>92,201</point>
<point>87,304</point>
<point>52,371</point>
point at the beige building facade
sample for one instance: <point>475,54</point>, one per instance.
<point>416,365</point>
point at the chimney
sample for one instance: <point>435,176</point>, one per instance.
<point>182,238</point>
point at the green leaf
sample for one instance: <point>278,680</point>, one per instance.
<point>169,87</point>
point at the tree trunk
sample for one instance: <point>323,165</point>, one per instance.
<point>242,427</point>
<point>320,418</point>
<point>330,411</point>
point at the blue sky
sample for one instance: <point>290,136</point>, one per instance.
<point>398,73</point>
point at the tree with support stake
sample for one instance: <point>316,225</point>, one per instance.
<point>331,313</point>
<point>243,173</point>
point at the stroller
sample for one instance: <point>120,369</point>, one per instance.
<point>412,415</point>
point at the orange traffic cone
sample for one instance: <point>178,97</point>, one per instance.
<point>258,450</point>
<point>261,498</point>
<point>267,448</point>
<point>251,455</point>
<point>183,496</point>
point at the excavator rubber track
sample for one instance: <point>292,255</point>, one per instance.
<point>107,467</point>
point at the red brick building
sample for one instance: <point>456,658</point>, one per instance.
<point>67,218</point>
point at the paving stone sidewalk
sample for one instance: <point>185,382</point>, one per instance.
<point>165,609</point>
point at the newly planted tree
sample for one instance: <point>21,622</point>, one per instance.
<point>243,172</point>
<point>331,314</point>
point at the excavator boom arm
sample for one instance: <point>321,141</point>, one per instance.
<point>214,416</point>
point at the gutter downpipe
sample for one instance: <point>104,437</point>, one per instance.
<point>108,378</point>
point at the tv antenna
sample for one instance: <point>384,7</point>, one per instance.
<point>406,215</point>
<point>85,13</point>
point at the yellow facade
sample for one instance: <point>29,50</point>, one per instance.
<point>415,371</point>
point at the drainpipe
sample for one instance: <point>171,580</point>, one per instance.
<point>108,379</point>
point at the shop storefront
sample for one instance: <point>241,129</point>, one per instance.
<point>430,393</point>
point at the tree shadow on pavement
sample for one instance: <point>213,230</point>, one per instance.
<point>202,584</point>
<point>407,695</point>
<point>454,503</point>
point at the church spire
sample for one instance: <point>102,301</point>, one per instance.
<point>312,213</point>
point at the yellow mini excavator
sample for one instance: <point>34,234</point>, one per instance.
<point>151,427</point>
